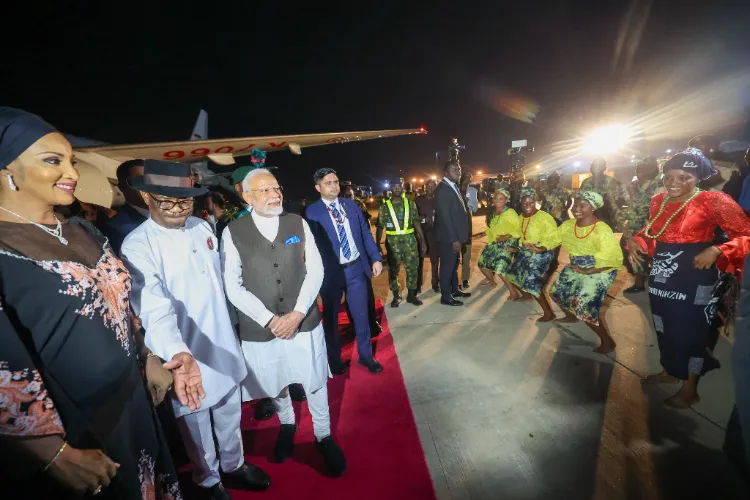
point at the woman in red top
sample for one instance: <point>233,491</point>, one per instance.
<point>686,267</point>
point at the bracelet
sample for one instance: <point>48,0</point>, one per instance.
<point>65,443</point>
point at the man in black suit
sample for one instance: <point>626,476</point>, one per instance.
<point>133,213</point>
<point>451,231</point>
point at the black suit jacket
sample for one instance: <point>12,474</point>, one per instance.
<point>451,219</point>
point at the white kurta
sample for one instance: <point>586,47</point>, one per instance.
<point>273,365</point>
<point>178,295</point>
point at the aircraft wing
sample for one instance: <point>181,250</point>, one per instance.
<point>106,159</point>
<point>223,151</point>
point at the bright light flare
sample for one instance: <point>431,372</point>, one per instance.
<point>479,172</point>
<point>414,179</point>
<point>434,177</point>
<point>606,140</point>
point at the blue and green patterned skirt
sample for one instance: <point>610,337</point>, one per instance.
<point>528,269</point>
<point>496,256</point>
<point>582,294</point>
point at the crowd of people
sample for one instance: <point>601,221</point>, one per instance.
<point>101,321</point>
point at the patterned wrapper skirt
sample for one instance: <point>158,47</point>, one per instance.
<point>528,269</point>
<point>496,256</point>
<point>683,304</point>
<point>582,294</point>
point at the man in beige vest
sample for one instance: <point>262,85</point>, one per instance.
<point>273,272</point>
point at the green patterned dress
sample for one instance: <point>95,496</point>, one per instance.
<point>528,268</point>
<point>496,257</point>
<point>589,247</point>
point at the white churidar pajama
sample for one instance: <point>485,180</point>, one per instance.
<point>301,359</point>
<point>178,296</point>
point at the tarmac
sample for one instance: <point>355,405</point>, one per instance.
<point>510,409</point>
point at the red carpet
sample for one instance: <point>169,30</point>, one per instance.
<point>371,420</point>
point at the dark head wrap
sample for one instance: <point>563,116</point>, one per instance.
<point>18,131</point>
<point>528,193</point>
<point>592,198</point>
<point>693,161</point>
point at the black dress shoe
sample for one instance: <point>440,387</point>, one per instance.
<point>339,367</point>
<point>461,294</point>
<point>451,302</point>
<point>297,393</point>
<point>396,301</point>
<point>332,455</point>
<point>251,477</point>
<point>466,284</point>
<point>411,298</point>
<point>285,443</point>
<point>375,329</point>
<point>436,289</point>
<point>264,409</point>
<point>371,365</point>
<point>219,492</point>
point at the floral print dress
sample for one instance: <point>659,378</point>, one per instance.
<point>589,247</point>
<point>529,268</point>
<point>68,363</point>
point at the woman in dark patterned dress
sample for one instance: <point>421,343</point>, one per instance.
<point>75,416</point>
<point>687,265</point>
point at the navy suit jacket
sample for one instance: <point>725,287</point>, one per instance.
<point>327,239</point>
<point>121,225</point>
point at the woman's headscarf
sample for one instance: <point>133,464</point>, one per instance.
<point>504,192</point>
<point>592,198</point>
<point>693,161</point>
<point>19,130</point>
<point>528,193</point>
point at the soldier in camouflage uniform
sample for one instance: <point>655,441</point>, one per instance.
<point>611,190</point>
<point>399,218</point>
<point>635,217</point>
<point>557,200</point>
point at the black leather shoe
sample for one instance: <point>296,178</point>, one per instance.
<point>264,409</point>
<point>375,329</point>
<point>332,455</point>
<point>461,294</point>
<point>411,298</point>
<point>297,393</point>
<point>436,289</point>
<point>466,284</point>
<point>339,367</point>
<point>451,302</point>
<point>251,477</point>
<point>371,365</point>
<point>396,301</point>
<point>219,492</point>
<point>285,442</point>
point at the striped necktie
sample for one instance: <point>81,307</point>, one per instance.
<point>343,240</point>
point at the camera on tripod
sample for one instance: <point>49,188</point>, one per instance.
<point>517,154</point>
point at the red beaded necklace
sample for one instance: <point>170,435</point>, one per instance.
<point>524,219</point>
<point>575,229</point>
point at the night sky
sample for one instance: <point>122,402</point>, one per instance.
<point>141,74</point>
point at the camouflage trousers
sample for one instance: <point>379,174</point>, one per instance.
<point>402,250</point>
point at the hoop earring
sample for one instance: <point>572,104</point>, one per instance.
<point>11,183</point>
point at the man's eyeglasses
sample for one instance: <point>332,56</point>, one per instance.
<point>184,203</point>
<point>267,190</point>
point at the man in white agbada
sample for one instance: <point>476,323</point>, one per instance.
<point>272,274</point>
<point>178,296</point>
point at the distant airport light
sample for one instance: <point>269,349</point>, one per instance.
<point>606,140</point>
<point>479,172</point>
<point>538,166</point>
<point>386,184</point>
<point>421,181</point>
<point>434,177</point>
<point>414,179</point>
<point>669,151</point>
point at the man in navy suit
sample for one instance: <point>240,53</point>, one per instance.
<point>133,213</point>
<point>350,258</point>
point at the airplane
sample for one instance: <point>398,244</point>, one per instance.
<point>98,164</point>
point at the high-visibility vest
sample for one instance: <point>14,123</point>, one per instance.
<point>397,228</point>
